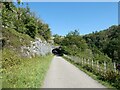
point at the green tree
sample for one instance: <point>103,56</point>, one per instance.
<point>73,43</point>
<point>44,30</point>
<point>58,39</point>
<point>23,20</point>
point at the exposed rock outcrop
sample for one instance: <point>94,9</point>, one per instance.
<point>38,47</point>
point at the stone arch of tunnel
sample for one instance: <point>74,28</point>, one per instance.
<point>57,51</point>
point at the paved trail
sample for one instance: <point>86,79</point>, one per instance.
<point>62,74</point>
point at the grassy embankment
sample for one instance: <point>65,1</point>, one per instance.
<point>17,71</point>
<point>29,73</point>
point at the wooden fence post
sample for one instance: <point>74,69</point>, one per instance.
<point>98,68</point>
<point>92,63</point>
<point>75,59</point>
<point>114,64</point>
<point>82,61</point>
<point>88,61</point>
<point>72,58</point>
<point>85,61</point>
<point>105,67</point>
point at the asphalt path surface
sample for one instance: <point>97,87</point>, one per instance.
<point>62,74</point>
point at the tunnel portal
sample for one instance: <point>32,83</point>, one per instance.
<point>57,51</point>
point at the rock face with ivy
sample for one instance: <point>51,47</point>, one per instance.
<point>37,47</point>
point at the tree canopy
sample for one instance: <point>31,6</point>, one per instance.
<point>107,41</point>
<point>23,20</point>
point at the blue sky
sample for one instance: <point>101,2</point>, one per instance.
<point>86,17</point>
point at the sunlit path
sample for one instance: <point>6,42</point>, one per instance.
<point>62,74</point>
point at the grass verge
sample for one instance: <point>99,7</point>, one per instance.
<point>95,77</point>
<point>29,73</point>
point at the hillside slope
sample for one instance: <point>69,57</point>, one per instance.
<point>107,41</point>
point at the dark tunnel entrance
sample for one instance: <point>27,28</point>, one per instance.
<point>57,51</point>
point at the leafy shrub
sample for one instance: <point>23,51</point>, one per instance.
<point>110,76</point>
<point>9,59</point>
<point>117,81</point>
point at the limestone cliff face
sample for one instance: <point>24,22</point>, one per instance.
<point>37,47</point>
